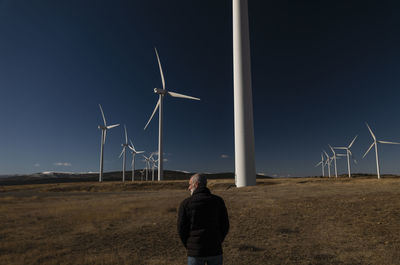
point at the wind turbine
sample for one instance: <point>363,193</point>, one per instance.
<point>334,158</point>
<point>153,165</point>
<point>134,152</point>
<point>123,152</point>
<point>322,164</point>
<point>375,142</point>
<point>147,161</point>
<point>161,93</point>
<point>348,153</point>
<point>104,129</point>
<point>328,162</point>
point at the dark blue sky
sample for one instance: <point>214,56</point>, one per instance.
<point>320,70</point>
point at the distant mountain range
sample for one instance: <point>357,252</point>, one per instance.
<point>64,177</point>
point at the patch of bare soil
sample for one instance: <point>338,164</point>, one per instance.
<point>279,221</point>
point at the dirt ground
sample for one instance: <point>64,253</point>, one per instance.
<point>279,221</point>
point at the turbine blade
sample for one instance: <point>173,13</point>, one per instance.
<point>161,71</point>
<point>318,164</point>
<point>112,126</point>
<point>373,135</point>
<point>155,109</point>
<point>122,152</point>
<point>352,142</point>
<point>126,135</point>
<point>132,145</point>
<point>341,148</point>
<point>354,158</point>
<point>386,142</point>
<point>102,114</point>
<point>177,95</point>
<point>333,151</point>
<point>368,149</point>
<point>139,152</point>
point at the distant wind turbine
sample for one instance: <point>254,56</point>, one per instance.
<point>153,165</point>
<point>375,142</point>
<point>348,154</point>
<point>147,161</point>
<point>328,162</point>
<point>334,158</point>
<point>104,129</point>
<point>134,152</point>
<point>322,164</point>
<point>123,152</point>
<point>162,92</point>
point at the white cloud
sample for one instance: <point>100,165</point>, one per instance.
<point>224,156</point>
<point>63,164</point>
<point>165,159</point>
<point>36,165</point>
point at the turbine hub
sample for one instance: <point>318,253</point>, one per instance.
<point>160,91</point>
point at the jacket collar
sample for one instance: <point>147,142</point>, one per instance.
<point>202,190</point>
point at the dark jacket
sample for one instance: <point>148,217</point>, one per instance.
<point>203,223</point>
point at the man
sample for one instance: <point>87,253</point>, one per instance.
<point>202,223</point>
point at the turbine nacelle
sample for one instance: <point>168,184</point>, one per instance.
<point>160,91</point>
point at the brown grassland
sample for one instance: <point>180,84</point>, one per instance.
<point>279,221</point>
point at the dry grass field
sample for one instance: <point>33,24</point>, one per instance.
<point>279,221</point>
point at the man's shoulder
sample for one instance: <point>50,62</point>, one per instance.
<point>198,197</point>
<point>218,199</point>
<point>185,201</point>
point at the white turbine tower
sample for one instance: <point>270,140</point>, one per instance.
<point>162,92</point>
<point>328,162</point>
<point>375,142</point>
<point>322,164</point>
<point>104,129</point>
<point>348,154</point>
<point>245,169</point>
<point>123,152</point>
<point>134,152</point>
<point>334,158</point>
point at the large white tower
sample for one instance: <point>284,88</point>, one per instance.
<point>245,170</point>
